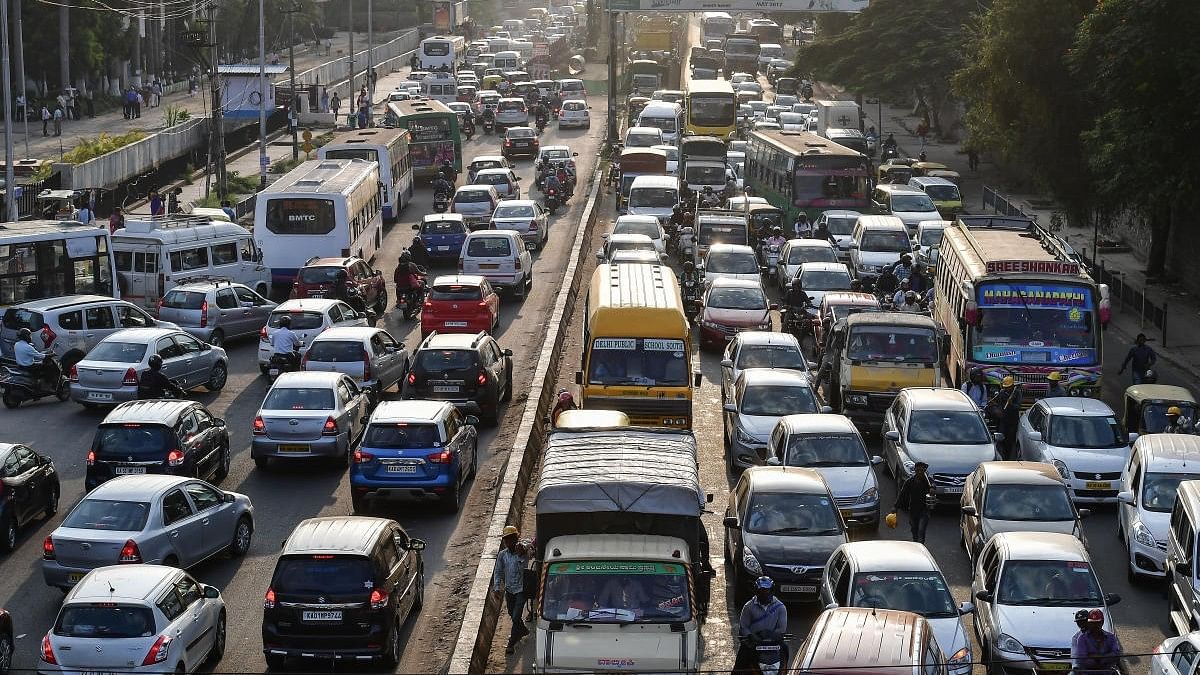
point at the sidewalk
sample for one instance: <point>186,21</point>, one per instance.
<point>1180,345</point>
<point>152,119</point>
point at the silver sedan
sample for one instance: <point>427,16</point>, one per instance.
<point>167,520</point>
<point>110,372</point>
<point>310,415</point>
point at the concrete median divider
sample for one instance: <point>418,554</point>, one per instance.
<point>483,609</point>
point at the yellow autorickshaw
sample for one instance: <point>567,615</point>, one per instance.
<point>1146,406</point>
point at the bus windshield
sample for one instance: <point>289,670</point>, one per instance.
<point>712,111</point>
<point>892,343</point>
<point>369,154</point>
<point>1035,323</point>
<point>648,362</point>
<point>616,592</point>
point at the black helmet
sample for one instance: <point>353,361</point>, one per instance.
<point>797,284</point>
<point>25,335</point>
<point>445,162</point>
<point>155,362</point>
<point>285,321</point>
<point>405,256</point>
<point>689,265</point>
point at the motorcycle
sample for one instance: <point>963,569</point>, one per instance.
<point>798,321</point>
<point>770,654</point>
<point>552,200</point>
<point>770,256</point>
<point>687,241</point>
<point>409,303</point>
<point>468,130</point>
<point>541,123</point>
<point>441,202</point>
<point>889,152</point>
<point>489,125</point>
<point>20,386</point>
<point>283,363</point>
<point>691,298</point>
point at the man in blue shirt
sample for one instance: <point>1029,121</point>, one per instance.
<point>1142,357</point>
<point>509,576</point>
<point>285,342</point>
<point>763,619</point>
<point>1094,651</point>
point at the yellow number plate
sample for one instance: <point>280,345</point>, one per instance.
<point>1099,485</point>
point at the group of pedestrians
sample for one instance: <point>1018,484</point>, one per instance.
<point>61,108</point>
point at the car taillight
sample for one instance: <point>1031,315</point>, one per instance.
<point>330,428</point>
<point>174,458</point>
<point>262,334</point>
<point>158,652</point>
<point>378,599</point>
<point>130,553</point>
<point>158,307</point>
<point>304,361</point>
<point>260,427</point>
<point>517,263</point>
<point>47,652</point>
<point>412,379</point>
<point>204,314</point>
<point>361,457</point>
<point>442,457</point>
<point>91,458</point>
<point>269,599</point>
<point>482,379</point>
<point>74,374</point>
<point>483,304</point>
<point>48,548</point>
<point>366,359</point>
<point>508,143</point>
<point>533,226</point>
<point>162,285</point>
<point>131,378</point>
<point>48,336</point>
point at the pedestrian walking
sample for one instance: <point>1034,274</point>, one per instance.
<point>335,103</point>
<point>918,498</point>
<point>364,118</point>
<point>324,100</point>
<point>45,120</point>
<point>923,132</point>
<point>61,99</point>
<point>1141,356</point>
<point>156,90</point>
<point>972,158</point>
<point>156,203</point>
<point>85,214</point>
<point>58,120</point>
<point>193,84</point>
<point>72,107</point>
<point>138,102</point>
<point>89,100</point>
<point>509,577</point>
<point>1005,410</point>
<point>21,113</point>
<point>116,220</point>
<point>173,200</point>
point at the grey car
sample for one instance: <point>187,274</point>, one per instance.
<point>215,311</point>
<point>308,416</point>
<point>168,520</point>
<point>941,427</point>
<point>524,216</point>
<point>71,325</point>
<point>760,349</point>
<point>756,402</point>
<point>110,372</point>
<point>370,356</point>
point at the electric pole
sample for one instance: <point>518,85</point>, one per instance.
<point>10,180</point>
<point>352,97</point>
<point>294,105</point>
<point>262,98</point>
<point>19,52</point>
<point>370,55</point>
<point>216,137</point>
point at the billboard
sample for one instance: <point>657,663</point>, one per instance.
<point>738,5</point>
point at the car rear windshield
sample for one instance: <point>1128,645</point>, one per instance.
<point>300,320</point>
<point>513,211</point>
<point>402,436</point>
<point>299,398</point>
<point>455,292</point>
<point>318,275</point>
<point>16,318</point>
<point>118,352</point>
<point>471,196</point>
<point>442,360</point>
<point>323,575</point>
<point>442,227</point>
<point>489,247</point>
<point>335,351</point>
<point>104,620</point>
<point>183,299</point>
<point>142,442</point>
<point>108,514</point>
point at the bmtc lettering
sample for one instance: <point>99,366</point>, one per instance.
<point>304,217</point>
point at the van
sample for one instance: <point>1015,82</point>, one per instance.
<point>857,640</point>
<point>908,204</point>
<point>1182,580</point>
<point>1157,463</point>
<point>653,196</point>
<point>514,26</point>
<point>498,44</point>
<point>524,48</point>
<point>508,60</point>
<point>152,256</point>
<point>665,116</point>
<point>440,87</point>
<point>876,242</point>
<point>501,257</point>
<point>945,194</point>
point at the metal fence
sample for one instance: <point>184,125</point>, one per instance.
<point>1000,204</point>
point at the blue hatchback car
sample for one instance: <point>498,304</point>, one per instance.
<point>415,451</point>
<point>442,236</point>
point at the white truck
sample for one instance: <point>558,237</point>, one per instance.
<point>624,557</point>
<point>838,115</point>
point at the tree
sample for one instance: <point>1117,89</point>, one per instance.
<point>1023,102</point>
<point>894,48</point>
<point>1139,59</point>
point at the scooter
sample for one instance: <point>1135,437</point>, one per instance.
<point>20,386</point>
<point>552,200</point>
<point>468,131</point>
<point>691,298</point>
<point>441,202</point>
<point>770,254</point>
<point>771,654</point>
<point>283,363</point>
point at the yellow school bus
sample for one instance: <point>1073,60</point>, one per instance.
<point>711,108</point>
<point>637,348</point>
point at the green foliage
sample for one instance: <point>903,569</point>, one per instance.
<point>175,114</point>
<point>91,148</point>
<point>285,165</point>
<point>239,184</point>
<point>96,36</point>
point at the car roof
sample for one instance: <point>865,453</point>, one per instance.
<point>44,304</point>
<point>409,411</point>
<point>728,248</point>
<point>149,411</point>
<point>548,148</point>
<point>135,488</point>
<point>306,378</point>
<point>479,234</point>
<point>208,285</point>
<point>1170,452</point>
<point>628,237</point>
<point>898,188</point>
<point>890,320</point>
<point>855,298</point>
<point>810,243</point>
<point>817,423</point>
<point>729,282</point>
<point>823,267</point>
<point>514,202</point>
<point>842,214</point>
<point>792,478</point>
<point>655,181</point>
<point>139,335</point>
<point>332,262</point>
<point>489,158</point>
<point>766,376</point>
<point>458,280</point>
<point>930,180</point>
<point>495,169</point>
<point>766,337</point>
<point>122,583</point>
<point>1020,473</point>
<point>347,333</point>
<point>634,218</point>
<point>335,534</point>
<point>1077,406</point>
<point>888,555</point>
<point>1040,546</point>
<point>643,130</point>
<point>438,217</point>
<point>451,341</point>
<point>471,187</point>
<point>306,305</point>
<point>938,398</point>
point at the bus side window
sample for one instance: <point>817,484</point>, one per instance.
<point>146,263</point>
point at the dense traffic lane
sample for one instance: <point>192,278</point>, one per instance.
<point>286,495</point>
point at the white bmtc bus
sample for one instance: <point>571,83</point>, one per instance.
<point>389,148</point>
<point>324,207</point>
<point>442,50</point>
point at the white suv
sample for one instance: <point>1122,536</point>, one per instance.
<point>71,325</point>
<point>501,257</point>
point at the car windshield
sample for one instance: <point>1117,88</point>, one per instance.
<point>323,575</point>
<point>1080,431</point>
<point>335,351</point>
<point>1158,494</point>
<point>302,398</point>
<point>401,436</point>
<point>1035,503</point>
<point>616,592</point>
<point>792,514</point>
<point>319,275</point>
<point>108,514</point>
<point>300,320</point>
<point>521,132</point>
<point>798,255</point>
<point>104,620</point>
<point>556,154</point>
<point>177,299</point>
<point>892,343</point>
<point>887,241</point>
<point>731,262</point>
<point>942,192</point>
<point>455,292</point>
<point>117,352</point>
<point>1049,583</point>
<point>792,118</point>
<point>826,449</point>
<point>442,227</point>
<point>653,198</point>
<point>923,593</point>
<point>642,139</point>
<point>518,211</point>
<point>912,203</point>
<point>947,427</point>
<point>825,281</point>
<point>777,400</point>
<point>771,356</point>
<point>140,441</point>
<point>638,227</point>
<point>736,298</point>
<point>931,236</point>
<point>480,165</point>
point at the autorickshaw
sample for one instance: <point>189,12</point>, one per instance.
<point>1146,407</point>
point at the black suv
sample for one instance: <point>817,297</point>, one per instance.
<point>180,438</point>
<point>342,589</point>
<point>470,371</point>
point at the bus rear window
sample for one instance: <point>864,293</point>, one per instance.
<point>300,216</point>
<point>437,48</point>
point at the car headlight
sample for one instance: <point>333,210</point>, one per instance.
<point>1062,469</point>
<point>751,563</point>
<point>856,399</point>
<point>1008,643</point>
<point>1142,535</point>
<point>962,656</point>
<point>710,324</point>
<point>743,437</point>
<point>872,494</point>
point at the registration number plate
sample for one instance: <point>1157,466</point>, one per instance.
<point>128,470</point>
<point>74,577</point>
<point>402,468</point>
<point>445,388</point>
<point>953,490</point>
<point>96,672</point>
<point>443,248</point>
<point>489,266</point>
<point>1099,485</point>
<point>456,324</point>
<point>1054,666</point>
<point>322,616</point>
<point>316,294</point>
<point>792,588</point>
<point>273,372</point>
<point>293,448</point>
<point>99,396</point>
<point>846,514</point>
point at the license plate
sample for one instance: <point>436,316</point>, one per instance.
<point>792,588</point>
<point>316,294</point>
<point>443,248</point>
<point>489,266</point>
<point>99,396</point>
<point>402,468</point>
<point>273,372</point>
<point>1054,666</point>
<point>845,513</point>
<point>128,470</point>
<point>332,615</point>
<point>95,672</point>
<point>456,324</point>
<point>956,490</point>
<point>445,388</point>
<point>293,448</point>
<point>1099,485</point>
<point>74,577</point>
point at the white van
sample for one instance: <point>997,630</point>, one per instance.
<point>653,196</point>
<point>498,44</point>
<point>442,51</point>
<point>877,241</point>
<point>1149,487</point>
<point>153,256</point>
<point>665,116</point>
<point>524,48</point>
<point>508,60</point>
<point>514,26</point>
<point>440,87</point>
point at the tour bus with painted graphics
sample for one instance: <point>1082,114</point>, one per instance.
<point>799,171</point>
<point>1015,301</point>
<point>637,346</point>
<point>625,577</point>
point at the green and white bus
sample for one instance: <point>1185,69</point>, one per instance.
<point>433,135</point>
<point>799,171</point>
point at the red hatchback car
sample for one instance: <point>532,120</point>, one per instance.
<point>315,280</point>
<point>460,303</point>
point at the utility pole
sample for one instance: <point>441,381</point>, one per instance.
<point>217,138</point>
<point>612,76</point>
<point>10,181</point>
<point>294,105</point>
<point>19,49</point>
<point>262,98</point>
<point>370,54</point>
<point>352,98</point>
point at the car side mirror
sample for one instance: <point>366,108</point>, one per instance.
<point>730,408</point>
<point>530,246</point>
<point>997,437</point>
<point>969,511</point>
<point>1133,436</point>
<point>1127,497</point>
<point>211,592</point>
<point>605,236</point>
<point>876,460</point>
<point>726,363</point>
<point>966,608</point>
<point>1111,599</point>
<point>416,227</point>
<point>416,545</point>
<point>893,436</point>
<point>599,256</point>
<point>204,346</point>
<point>984,596</point>
<point>774,461</point>
<point>731,522</point>
<point>1084,513</point>
<point>228,497</point>
<point>471,419</point>
<point>697,380</point>
<point>853,244</point>
<point>832,605</point>
<point>1035,435</point>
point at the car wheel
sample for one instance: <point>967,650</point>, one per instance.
<point>171,561</point>
<point>9,540</point>
<point>217,339</point>
<point>419,601</point>
<point>6,652</point>
<point>51,507</point>
<point>262,463</point>
<point>381,303</point>
<point>243,533</point>
<point>450,499</point>
<point>474,459</point>
<point>343,459</point>
<point>11,400</point>
<point>391,652</point>
<point>218,648</point>
<point>519,290</point>
<point>217,378</point>
<point>507,391</point>
<point>226,459</point>
<point>358,502</point>
<point>275,661</point>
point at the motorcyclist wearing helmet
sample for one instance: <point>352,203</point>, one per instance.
<point>898,296</point>
<point>887,283</point>
<point>776,238</point>
<point>822,233</point>
<point>284,342</point>
<point>409,277</point>
<point>30,359</point>
<point>689,274</point>
<point>441,186</point>
<point>153,384</point>
<point>910,304</point>
<point>796,299</point>
<point>763,619</point>
<point>802,227</point>
<point>903,268</point>
<point>446,170</point>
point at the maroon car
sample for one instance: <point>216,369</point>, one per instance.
<point>318,276</point>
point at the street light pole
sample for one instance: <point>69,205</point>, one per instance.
<point>370,54</point>
<point>352,97</point>
<point>19,50</point>
<point>262,98</point>
<point>10,181</point>
<point>294,105</point>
